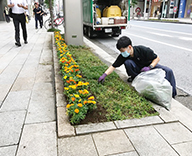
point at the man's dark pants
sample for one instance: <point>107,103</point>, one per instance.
<point>36,22</point>
<point>20,18</point>
<point>133,70</point>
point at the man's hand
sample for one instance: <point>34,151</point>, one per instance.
<point>102,78</point>
<point>11,5</point>
<point>144,69</point>
<point>20,5</point>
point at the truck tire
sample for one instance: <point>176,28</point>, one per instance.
<point>84,30</point>
<point>116,32</point>
<point>90,32</point>
<point>115,35</point>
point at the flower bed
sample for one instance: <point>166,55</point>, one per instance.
<point>116,100</point>
<point>79,99</point>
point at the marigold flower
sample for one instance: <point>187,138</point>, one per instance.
<point>73,99</point>
<point>76,110</point>
<point>68,105</point>
<point>91,98</point>
<point>84,102</point>
<point>65,77</point>
<point>79,76</point>
<point>76,70</point>
<point>76,95</point>
<point>93,102</point>
<point>80,105</point>
<point>66,88</point>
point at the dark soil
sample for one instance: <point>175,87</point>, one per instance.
<point>95,116</point>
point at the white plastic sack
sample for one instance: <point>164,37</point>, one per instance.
<point>153,85</point>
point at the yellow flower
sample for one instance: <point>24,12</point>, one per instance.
<point>73,86</point>
<point>76,95</point>
<point>66,88</point>
<point>80,105</point>
<point>93,102</point>
<point>76,110</point>
<point>68,105</point>
<point>79,100</point>
<point>79,76</point>
<point>65,76</point>
<point>91,98</point>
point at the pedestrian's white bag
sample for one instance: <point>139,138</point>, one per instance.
<point>153,85</point>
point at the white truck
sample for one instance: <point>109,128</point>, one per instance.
<point>103,16</point>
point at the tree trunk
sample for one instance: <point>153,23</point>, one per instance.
<point>51,12</point>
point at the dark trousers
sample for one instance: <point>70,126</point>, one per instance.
<point>20,19</point>
<point>7,18</point>
<point>133,70</point>
<point>40,22</point>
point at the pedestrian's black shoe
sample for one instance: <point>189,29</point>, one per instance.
<point>130,79</point>
<point>18,44</point>
<point>25,42</point>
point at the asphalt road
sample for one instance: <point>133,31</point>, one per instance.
<point>171,42</point>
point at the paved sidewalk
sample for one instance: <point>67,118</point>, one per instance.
<point>27,98</point>
<point>28,110</point>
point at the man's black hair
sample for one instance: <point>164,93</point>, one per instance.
<point>123,42</point>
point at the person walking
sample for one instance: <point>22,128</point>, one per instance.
<point>37,11</point>
<point>138,59</point>
<point>6,15</point>
<point>18,9</point>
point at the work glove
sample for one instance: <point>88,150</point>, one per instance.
<point>102,78</point>
<point>144,69</point>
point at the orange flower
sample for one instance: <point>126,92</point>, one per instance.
<point>73,99</point>
<point>84,102</point>
<point>68,105</point>
<point>91,98</point>
<point>80,105</point>
<point>76,110</point>
<point>76,70</point>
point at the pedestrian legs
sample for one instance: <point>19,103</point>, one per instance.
<point>17,30</point>
<point>36,22</point>
<point>23,26</point>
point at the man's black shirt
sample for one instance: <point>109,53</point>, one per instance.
<point>143,56</point>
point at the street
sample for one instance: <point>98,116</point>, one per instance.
<point>170,41</point>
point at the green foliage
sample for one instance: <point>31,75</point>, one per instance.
<point>119,99</point>
<point>53,30</point>
<point>47,2</point>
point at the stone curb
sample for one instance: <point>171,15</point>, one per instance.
<point>65,129</point>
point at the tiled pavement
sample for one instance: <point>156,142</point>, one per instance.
<point>28,106</point>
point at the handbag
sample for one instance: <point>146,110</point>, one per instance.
<point>10,13</point>
<point>26,19</point>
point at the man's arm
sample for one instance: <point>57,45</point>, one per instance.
<point>22,6</point>
<point>109,70</point>
<point>154,62</point>
<point>11,5</point>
